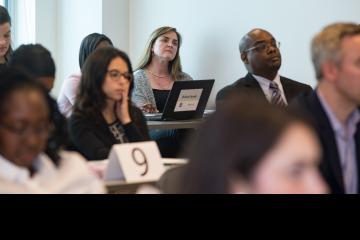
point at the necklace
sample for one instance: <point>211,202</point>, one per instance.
<point>157,75</point>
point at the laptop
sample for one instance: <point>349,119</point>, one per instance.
<point>187,101</point>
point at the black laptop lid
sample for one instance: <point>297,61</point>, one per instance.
<point>187,100</point>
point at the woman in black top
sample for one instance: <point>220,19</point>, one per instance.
<point>5,37</point>
<point>103,113</point>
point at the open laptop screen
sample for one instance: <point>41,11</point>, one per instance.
<point>187,100</point>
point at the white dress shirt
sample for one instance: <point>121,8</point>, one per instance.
<point>265,86</point>
<point>72,176</point>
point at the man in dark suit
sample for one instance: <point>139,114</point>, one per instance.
<point>262,58</point>
<point>334,107</point>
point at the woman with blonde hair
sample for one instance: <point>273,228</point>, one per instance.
<point>158,69</point>
<point>154,78</point>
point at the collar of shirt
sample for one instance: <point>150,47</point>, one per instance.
<point>265,86</point>
<point>20,175</point>
<point>347,131</point>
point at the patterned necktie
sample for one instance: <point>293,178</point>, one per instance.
<point>276,98</point>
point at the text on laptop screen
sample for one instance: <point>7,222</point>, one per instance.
<point>188,100</point>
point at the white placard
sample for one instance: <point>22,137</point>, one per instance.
<point>135,163</point>
<point>188,100</point>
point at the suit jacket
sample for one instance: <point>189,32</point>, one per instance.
<point>93,138</point>
<point>330,166</point>
<point>250,86</point>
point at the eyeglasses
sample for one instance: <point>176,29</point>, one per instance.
<point>116,75</point>
<point>42,130</point>
<point>262,46</point>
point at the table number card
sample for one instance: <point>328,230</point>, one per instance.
<point>135,163</point>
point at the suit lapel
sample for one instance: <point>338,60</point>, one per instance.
<point>327,136</point>
<point>252,84</point>
<point>288,91</point>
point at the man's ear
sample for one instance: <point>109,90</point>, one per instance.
<point>244,58</point>
<point>330,71</point>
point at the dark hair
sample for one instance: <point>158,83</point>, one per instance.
<point>13,80</point>
<point>5,18</point>
<point>233,142</point>
<point>89,45</point>
<point>91,99</point>
<point>33,59</point>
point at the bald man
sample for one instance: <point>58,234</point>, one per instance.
<point>262,58</point>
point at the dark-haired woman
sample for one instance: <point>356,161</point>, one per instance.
<point>103,113</point>
<point>67,96</point>
<point>5,37</point>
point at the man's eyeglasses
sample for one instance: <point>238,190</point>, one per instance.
<point>262,46</point>
<point>42,130</point>
<point>116,75</point>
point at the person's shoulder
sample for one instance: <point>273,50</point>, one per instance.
<point>238,83</point>
<point>140,79</point>
<point>305,102</point>
<point>73,78</point>
<point>78,118</point>
<point>77,115</point>
<point>296,83</point>
<point>183,76</point>
<point>140,74</point>
<point>309,107</point>
<point>71,159</point>
<point>171,181</point>
<point>74,167</point>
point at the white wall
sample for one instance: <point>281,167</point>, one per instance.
<point>63,25</point>
<point>45,25</point>
<point>115,22</point>
<point>23,22</point>
<point>75,20</point>
<point>46,21</point>
<point>212,31</point>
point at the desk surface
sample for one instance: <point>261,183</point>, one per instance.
<point>121,187</point>
<point>168,125</point>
